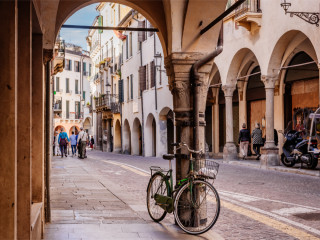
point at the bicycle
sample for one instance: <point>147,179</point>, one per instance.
<point>194,202</point>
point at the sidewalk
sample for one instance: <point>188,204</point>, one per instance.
<point>93,199</point>
<point>256,164</point>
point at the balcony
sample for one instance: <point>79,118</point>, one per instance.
<point>108,102</point>
<point>78,115</point>
<point>57,107</point>
<point>249,15</point>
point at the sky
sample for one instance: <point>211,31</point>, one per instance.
<point>84,16</point>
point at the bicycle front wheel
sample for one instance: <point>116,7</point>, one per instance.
<point>157,185</point>
<point>196,207</point>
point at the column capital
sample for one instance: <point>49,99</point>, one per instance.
<point>47,55</point>
<point>178,66</point>
<point>228,90</point>
<point>269,81</point>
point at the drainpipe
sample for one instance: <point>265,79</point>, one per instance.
<point>142,112</point>
<point>196,84</point>
<point>155,73</point>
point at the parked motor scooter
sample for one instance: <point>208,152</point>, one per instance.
<point>298,150</point>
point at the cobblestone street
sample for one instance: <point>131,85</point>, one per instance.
<point>103,197</point>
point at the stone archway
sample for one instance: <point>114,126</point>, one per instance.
<point>117,137</point>
<point>74,129</point>
<point>126,147</point>
<point>150,140</point>
<point>136,138</point>
<point>166,131</point>
<point>87,125</point>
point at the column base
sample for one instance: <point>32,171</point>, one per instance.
<point>230,152</point>
<point>269,157</point>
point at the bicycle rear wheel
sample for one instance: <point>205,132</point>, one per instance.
<point>196,207</point>
<point>157,185</point>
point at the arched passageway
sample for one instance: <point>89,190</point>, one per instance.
<point>74,129</point>
<point>117,137</point>
<point>166,131</point>
<point>136,137</point>
<point>301,93</point>
<point>150,136</point>
<point>87,126</point>
<point>256,101</point>
<point>126,148</point>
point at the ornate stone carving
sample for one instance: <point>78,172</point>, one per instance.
<point>228,90</point>
<point>181,94</point>
<point>269,81</point>
<point>47,55</point>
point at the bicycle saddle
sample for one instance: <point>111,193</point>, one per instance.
<point>168,156</point>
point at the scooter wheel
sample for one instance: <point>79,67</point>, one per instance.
<point>313,163</point>
<point>285,161</point>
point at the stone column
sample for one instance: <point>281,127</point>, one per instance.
<point>24,121</point>
<point>8,119</point>
<point>178,66</point>
<point>216,127</point>
<point>38,112</point>
<point>99,131</point>
<point>229,150</point>
<point>269,153</point>
<point>109,143</point>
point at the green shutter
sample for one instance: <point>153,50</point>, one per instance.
<point>84,95</point>
<point>100,23</point>
<point>121,98</point>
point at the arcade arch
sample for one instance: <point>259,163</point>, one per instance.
<point>166,131</point>
<point>126,148</point>
<point>117,137</point>
<point>136,138</point>
<point>150,136</point>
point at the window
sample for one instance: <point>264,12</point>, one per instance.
<point>127,53</point>
<point>77,110</point>
<point>57,84</point>
<point>152,74</point>
<point>131,86</point>
<point>76,66</point>
<point>67,85</point>
<point>68,65</point>
<point>67,110</point>
<point>142,79</point>
<point>120,91</point>
<point>128,83</point>
<point>84,95</point>
<point>90,67</point>
<point>147,77</point>
<point>76,89</point>
<point>130,44</point>
<point>150,26</point>
<point>141,35</point>
<point>84,67</point>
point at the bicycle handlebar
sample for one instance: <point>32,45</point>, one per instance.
<point>180,145</point>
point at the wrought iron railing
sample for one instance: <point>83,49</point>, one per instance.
<point>248,6</point>
<point>109,101</point>
<point>78,115</point>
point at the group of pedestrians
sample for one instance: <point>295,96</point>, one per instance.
<point>78,142</point>
<point>257,140</point>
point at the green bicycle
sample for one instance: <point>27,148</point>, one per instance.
<point>194,201</point>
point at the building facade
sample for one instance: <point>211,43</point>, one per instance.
<point>72,103</point>
<point>268,73</point>
<point>133,104</point>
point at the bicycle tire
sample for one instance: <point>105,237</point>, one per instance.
<point>185,211</point>
<point>150,200</point>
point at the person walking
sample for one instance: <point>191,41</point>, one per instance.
<point>63,142</point>
<point>73,140</point>
<point>91,143</point>
<point>257,140</point>
<point>82,142</point>
<point>244,140</point>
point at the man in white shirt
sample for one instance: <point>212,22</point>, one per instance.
<point>82,142</point>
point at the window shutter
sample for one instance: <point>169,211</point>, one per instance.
<point>142,78</point>
<point>120,90</point>
<point>152,77</point>
<point>141,34</point>
<point>131,86</point>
